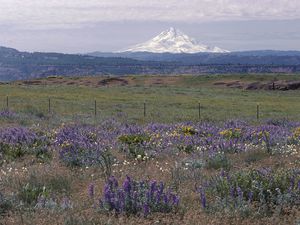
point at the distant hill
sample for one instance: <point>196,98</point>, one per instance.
<point>24,65</point>
<point>246,58</point>
<point>16,65</point>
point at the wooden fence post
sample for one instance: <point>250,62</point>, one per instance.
<point>49,105</point>
<point>199,110</point>
<point>95,108</point>
<point>145,108</point>
<point>257,111</point>
<point>7,102</point>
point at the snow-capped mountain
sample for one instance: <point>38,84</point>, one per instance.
<point>173,41</point>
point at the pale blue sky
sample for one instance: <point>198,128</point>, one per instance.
<point>108,25</point>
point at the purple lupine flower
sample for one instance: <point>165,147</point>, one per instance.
<point>292,183</point>
<point>91,191</point>
<point>232,192</point>
<point>222,173</point>
<point>146,209</point>
<point>108,196</point>
<point>135,198</point>
<point>121,199</point>
<point>100,203</point>
<point>66,203</point>
<point>239,192</point>
<point>148,197</point>
<point>127,185</point>
<point>250,196</point>
<point>203,198</point>
<point>152,188</point>
<point>176,200</point>
<point>166,199</point>
<point>41,202</point>
<point>161,187</point>
<point>158,197</point>
<point>113,182</point>
<point>139,199</point>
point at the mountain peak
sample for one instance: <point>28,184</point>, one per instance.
<point>174,32</point>
<point>173,40</point>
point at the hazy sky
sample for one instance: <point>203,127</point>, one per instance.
<point>108,25</point>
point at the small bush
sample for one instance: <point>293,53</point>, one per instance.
<point>7,114</point>
<point>43,154</point>
<point>15,142</point>
<point>37,188</point>
<point>30,193</point>
<point>218,161</point>
<point>188,131</point>
<point>59,184</point>
<point>133,144</point>
<point>254,156</point>
<point>10,152</point>
<point>133,139</point>
<point>231,133</point>
<point>136,197</point>
<point>44,202</point>
<point>187,148</point>
<point>31,110</point>
<point>81,146</point>
<point>5,205</point>
<point>262,191</point>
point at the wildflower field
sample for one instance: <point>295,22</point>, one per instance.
<point>118,170</point>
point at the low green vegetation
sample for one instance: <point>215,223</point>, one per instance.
<point>177,101</point>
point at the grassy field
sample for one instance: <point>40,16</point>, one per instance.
<point>61,167</point>
<point>167,99</point>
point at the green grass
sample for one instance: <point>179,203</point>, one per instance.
<point>176,102</point>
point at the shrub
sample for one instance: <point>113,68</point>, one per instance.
<point>133,139</point>
<point>254,156</point>
<point>133,144</point>
<point>264,191</point>
<point>188,131</point>
<point>186,148</point>
<point>5,205</point>
<point>295,137</point>
<point>40,189</point>
<point>10,152</point>
<point>231,133</point>
<point>296,132</point>
<point>137,197</point>
<point>52,203</point>
<point>43,154</point>
<point>59,184</point>
<point>30,193</point>
<point>218,161</point>
<point>32,110</point>
<point>83,146</point>
<point>15,142</point>
<point>7,114</point>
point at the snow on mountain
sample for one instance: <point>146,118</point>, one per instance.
<point>173,41</point>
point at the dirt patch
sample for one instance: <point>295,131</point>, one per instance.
<point>162,80</point>
<point>99,81</point>
<point>281,85</point>
<point>70,83</point>
<point>220,83</point>
<point>253,86</point>
<point>32,82</point>
<point>113,81</point>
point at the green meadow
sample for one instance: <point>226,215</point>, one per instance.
<point>164,102</point>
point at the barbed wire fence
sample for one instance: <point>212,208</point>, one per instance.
<point>139,111</point>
